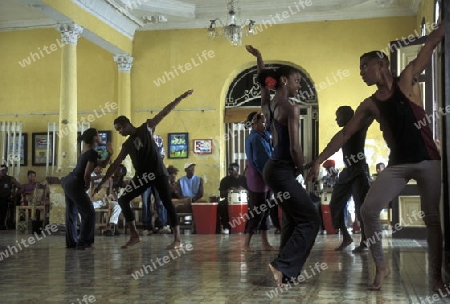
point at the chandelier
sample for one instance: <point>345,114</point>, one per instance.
<point>231,30</point>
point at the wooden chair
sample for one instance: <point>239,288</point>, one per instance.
<point>183,208</point>
<point>37,203</point>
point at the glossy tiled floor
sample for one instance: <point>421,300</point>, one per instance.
<point>212,269</point>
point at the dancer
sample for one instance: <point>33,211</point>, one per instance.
<point>353,181</point>
<point>77,200</point>
<point>265,101</point>
<point>258,152</point>
<point>149,167</point>
<point>413,154</point>
<point>300,219</point>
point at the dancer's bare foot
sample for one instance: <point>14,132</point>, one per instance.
<point>379,277</point>
<point>277,275</point>
<point>175,245</point>
<point>133,241</point>
<point>247,248</point>
<point>269,248</point>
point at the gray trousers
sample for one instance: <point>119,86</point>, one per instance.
<point>386,187</point>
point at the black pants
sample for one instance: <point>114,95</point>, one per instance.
<point>274,216</point>
<point>78,201</point>
<point>300,219</point>
<point>3,211</point>
<point>223,216</point>
<point>138,185</point>
<point>258,219</point>
<point>352,182</point>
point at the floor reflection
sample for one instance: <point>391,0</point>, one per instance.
<point>215,270</point>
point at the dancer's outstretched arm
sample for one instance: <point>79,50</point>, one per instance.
<point>265,92</point>
<point>153,122</point>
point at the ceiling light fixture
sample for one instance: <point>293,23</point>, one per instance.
<point>231,30</point>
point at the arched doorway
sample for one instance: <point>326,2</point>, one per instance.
<point>243,97</point>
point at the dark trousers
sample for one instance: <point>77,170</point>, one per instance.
<point>147,213</point>
<point>300,219</point>
<point>3,211</point>
<point>77,201</point>
<point>138,185</point>
<point>258,219</point>
<point>223,216</point>
<point>349,184</point>
<point>274,216</point>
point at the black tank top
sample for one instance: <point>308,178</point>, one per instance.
<point>408,141</point>
<point>282,151</point>
<point>353,150</point>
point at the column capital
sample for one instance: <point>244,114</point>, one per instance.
<point>69,32</point>
<point>124,62</point>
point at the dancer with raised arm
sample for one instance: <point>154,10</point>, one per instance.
<point>398,107</point>
<point>300,219</point>
<point>149,167</point>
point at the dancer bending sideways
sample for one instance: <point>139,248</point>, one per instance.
<point>300,219</point>
<point>150,170</point>
<point>75,186</point>
<point>398,107</point>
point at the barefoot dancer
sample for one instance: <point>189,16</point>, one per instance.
<point>300,219</point>
<point>77,200</point>
<point>398,108</point>
<point>149,167</point>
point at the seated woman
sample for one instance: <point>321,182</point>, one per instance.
<point>30,187</point>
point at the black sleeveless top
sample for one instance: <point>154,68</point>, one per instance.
<point>400,122</point>
<point>282,151</point>
<point>353,150</point>
<point>144,153</point>
<point>83,159</point>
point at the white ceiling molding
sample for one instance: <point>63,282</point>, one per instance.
<point>167,7</point>
<point>110,16</point>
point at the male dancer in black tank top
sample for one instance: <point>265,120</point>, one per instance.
<point>150,170</point>
<point>353,181</point>
<point>397,106</point>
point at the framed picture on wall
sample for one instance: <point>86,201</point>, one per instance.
<point>178,145</point>
<point>105,137</point>
<point>203,146</point>
<point>39,143</point>
<point>12,146</point>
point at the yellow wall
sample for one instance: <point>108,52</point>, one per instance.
<point>34,89</point>
<point>320,48</point>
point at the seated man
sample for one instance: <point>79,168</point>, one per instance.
<point>233,181</point>
<point>9,188</point>
<point>103,199</point>
<point>182,205</point>
<point>190,185</point>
